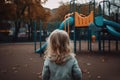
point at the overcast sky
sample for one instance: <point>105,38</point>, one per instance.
<point>55,3</point>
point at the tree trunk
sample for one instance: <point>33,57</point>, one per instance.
<point>17,27</point>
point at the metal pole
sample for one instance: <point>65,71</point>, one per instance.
<point>94,8</point>
<point>116,45</point>
<point>74,8</point>
<point>89,7</point>
<point>90,40</point>
<point>109,45</point>
<point>74,39</point>
<point>35,35</point>
<point>103,7</point>
<point>99,38</point>
<point>100,10</point>
<point>80,39</point>
<point>40,30</point>
<point>70,6</point>
<point>103,41</point>
<point>109,8</point>
<point>79,8</point>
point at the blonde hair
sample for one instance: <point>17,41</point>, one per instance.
<point>58,48</point>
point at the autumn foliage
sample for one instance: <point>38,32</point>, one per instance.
<point>23,9</point>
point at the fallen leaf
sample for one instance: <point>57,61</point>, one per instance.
<point>88,72</point>
<point>15,71</point>
<point>31,58</point>
<point>39,77</point>
<point>14,68</point>
<point>103,60</point>
<point>98,77</point>
<point>89,76</point>
<point>88,64</point>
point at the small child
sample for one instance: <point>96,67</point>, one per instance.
<point>60,63</point>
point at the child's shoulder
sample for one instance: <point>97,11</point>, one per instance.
<point>72,57</point>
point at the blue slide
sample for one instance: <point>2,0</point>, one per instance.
<point>110,25</point>
<point>69,20</point>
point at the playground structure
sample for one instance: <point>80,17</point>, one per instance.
<point>105,29</point>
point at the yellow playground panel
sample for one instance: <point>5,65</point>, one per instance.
<point>82,20</point>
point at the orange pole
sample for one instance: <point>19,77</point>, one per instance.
<point>68,15</point>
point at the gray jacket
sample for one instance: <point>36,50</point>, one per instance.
<point>67,71</point>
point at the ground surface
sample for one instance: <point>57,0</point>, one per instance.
<point>19,62</point>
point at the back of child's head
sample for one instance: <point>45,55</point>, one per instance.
<point>58,46</point>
